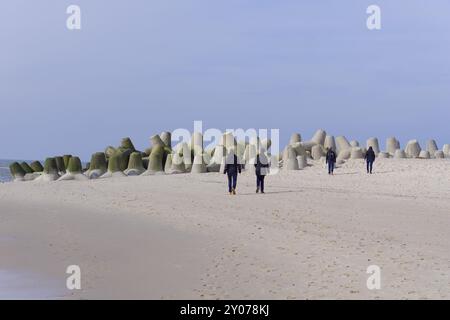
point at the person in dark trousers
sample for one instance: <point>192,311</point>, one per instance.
<point>232,168</point>
<point>330,160</point>
<point>370,158</point>
<point>261,170</point>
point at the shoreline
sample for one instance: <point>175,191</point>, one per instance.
<point>119,259</point>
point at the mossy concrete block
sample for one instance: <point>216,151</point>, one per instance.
<point>126,143</point>
<point>17,172</point>
<point>166,137</point>
<point>61,165</point>
<point>37,166</point>
<point>135,165</point>
<point>110,151</point>
<point>66,158</point>
<point>26,167</point>
<point>155,165</point>
<point>156,140</point>
<point>74,165</point>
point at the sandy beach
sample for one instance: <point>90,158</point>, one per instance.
<point>311,236</point>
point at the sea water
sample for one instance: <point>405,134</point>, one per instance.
<point>5,175</point>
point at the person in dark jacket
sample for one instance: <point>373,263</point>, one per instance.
<point>370,159</point>
<point>232,168</point>
<point>261,170</point>
<point>330,160</point>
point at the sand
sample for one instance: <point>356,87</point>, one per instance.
<point>311,236</point>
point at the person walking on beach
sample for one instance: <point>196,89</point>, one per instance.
<point>232,168</point>
<point>370,158</point>
<point>330,160</point>
<point>261,170</point>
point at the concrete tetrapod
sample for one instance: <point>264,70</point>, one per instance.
<point>74,171</point>
<point>446,150</point>
<point>392,144</point>
<point>29,172</point>
<point>342,144</point>
<point>197,143</point>
<point>296,137</point>
<point>187,156</point>
<point>399,154</point>
<point>228,140</point>
<point>50,172</point>
<point>60,164</point>
<point>424,155</point>
<point>66,159</point>
<point>373,142</point>
<point>155,165</point>
<point>302,162</point>
<point>114,167</point>
<point>168,163</point>
<point>356,153</point>
<point>299,149</point>
<point>110,151</point>
<point>216,161</point>
<point>432,147</point>
<point>291,163</point>
<point>37,166</point>
<point>135,165</point>
<point>177,164</point>
<point>17,171</point>
<point>319,137</point>
<point>439,154</point>
<point>413,149</point>
<point>98,166</point>
<point>330,143</point>
<point>344,155</point>
<point>317,152</point>
<point>126,144</point>
<point>26,167</point>
<point>199,165</point>
<point>166,137</point>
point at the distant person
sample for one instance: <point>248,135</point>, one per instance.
<point>232,168</point>
<point>261,170</point>
<point>370,159</point>
<point>331,160</point>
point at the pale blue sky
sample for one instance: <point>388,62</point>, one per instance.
<point>138,67</point>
